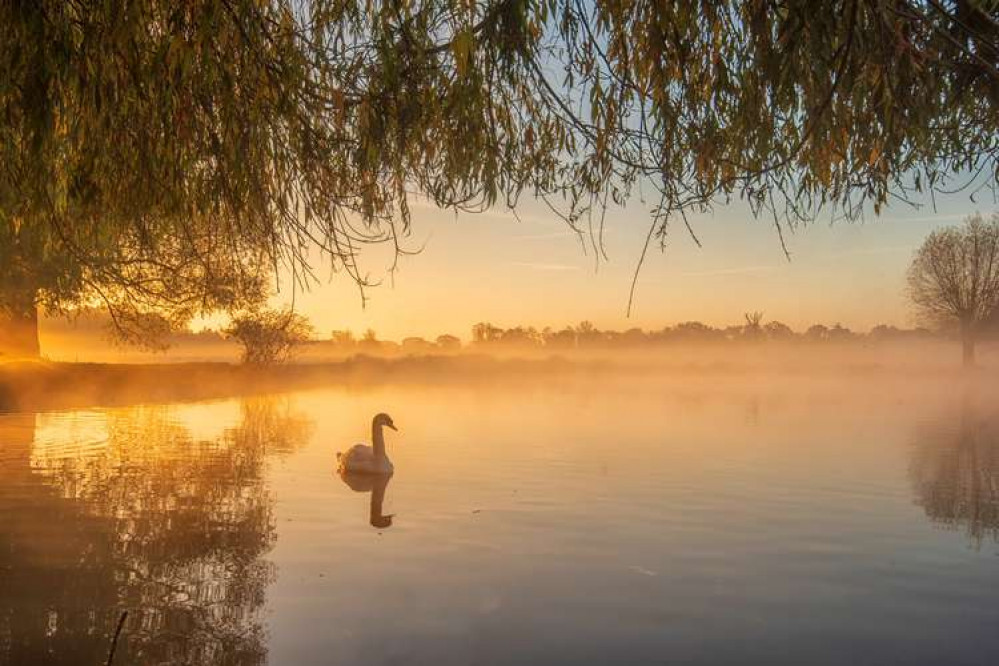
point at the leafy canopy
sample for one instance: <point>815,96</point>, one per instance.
<point>164,156</point>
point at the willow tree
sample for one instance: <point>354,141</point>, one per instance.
<point>954,279</point>
<point>159,156</point>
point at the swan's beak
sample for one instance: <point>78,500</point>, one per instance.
<point>392,425</point>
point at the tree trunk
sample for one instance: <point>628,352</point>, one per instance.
<point>19,327</point>
<point>968,346</point>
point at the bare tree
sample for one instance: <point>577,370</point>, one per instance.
<point>754,325</point>
<point>954,279</point>
<point>343,338</point>
<point>269,336</point>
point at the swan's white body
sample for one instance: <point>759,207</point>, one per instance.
<point>362,459</point>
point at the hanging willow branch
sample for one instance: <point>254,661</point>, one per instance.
<point>166,156</point>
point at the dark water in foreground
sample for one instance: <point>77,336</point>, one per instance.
<point>583,523</point>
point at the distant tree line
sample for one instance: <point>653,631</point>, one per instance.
<point>586,335</point>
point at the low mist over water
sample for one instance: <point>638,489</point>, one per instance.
<point>559,519</point>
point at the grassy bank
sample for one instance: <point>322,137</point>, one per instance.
<point>39,385</point>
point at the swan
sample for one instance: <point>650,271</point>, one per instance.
<point>361,459</point>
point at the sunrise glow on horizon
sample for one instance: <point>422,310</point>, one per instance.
<point>532,270</point>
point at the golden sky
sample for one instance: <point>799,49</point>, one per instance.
<point>534,272</point>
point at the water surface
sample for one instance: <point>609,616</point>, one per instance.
<point>559,522</point>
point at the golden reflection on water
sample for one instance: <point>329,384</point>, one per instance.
<point>104,511</point>
<point>543,522</point>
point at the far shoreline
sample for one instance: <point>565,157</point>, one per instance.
<point>51,385</point>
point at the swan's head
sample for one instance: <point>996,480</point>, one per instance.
<point>384,420</point>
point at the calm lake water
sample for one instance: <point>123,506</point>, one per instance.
<point>554,521</point>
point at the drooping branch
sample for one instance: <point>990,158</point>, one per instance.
<point>142,145</point>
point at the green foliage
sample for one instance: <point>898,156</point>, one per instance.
<point>269,336</point>
<point>163,157</point>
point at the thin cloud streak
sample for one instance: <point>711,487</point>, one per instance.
<point>553,234</point>
<point>887,249</point>
<point>750,270</point>
<point>544,267</point>
<point>949,217</point>
<point>743,270</point>
<point>565,233</point>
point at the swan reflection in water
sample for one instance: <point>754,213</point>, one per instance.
<point>376,485</point>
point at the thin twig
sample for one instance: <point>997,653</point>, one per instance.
<point>638,266</point>
<point>117,633</point>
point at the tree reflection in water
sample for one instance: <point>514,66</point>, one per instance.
<point>955,470</point>
<point>153,521</point>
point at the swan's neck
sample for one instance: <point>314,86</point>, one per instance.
<point>377,440</point>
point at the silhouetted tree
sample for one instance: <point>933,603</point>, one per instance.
<point>634,337</point>
<point>231,137</point>
<point>343,339</point>
<point>954,279</point>
<point>776,330</point>
<point>587,334</point>
<point>693,331</point>
<point>416,345</point>
<point>269,336</point>
<point>562,339</point>
<point>484,333</point>
<point>520,336</point>
<point>448,342</point>
<point>884,332</point>
<point>839,333</point>
<point>817,332</point>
